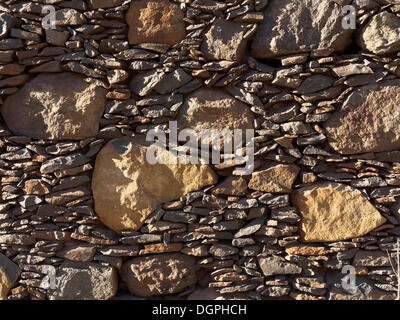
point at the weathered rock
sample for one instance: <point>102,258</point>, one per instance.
<point>360,127</point>
<point>69,17</point>
<point>136,187</point>
<point>159,274</point>
<point>273,265</point>
<point>214,109</point>
<point>9,273</point>
<point>235,186</point>
<point>334,212</point>
<point>7,21</point>
<point>280,33</point>
<point>277,178</point>
<point>364,258</point>
<point>381,34</point>
<point>158,21</point>
<point>60,107</point>
<point>96,4</point>
<point>224,41</point>
<point>85,281</point>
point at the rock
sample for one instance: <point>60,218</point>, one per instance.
<point>277,178</point>
<point>250,228</point>
<point>364,258</point>
<point>96,4</point>
<point>235,186</point>
<point>120,203</point>
<point>360,127</point>
<point>7,21</point>
<point>69,17</point>
<point>315,83</point>
<point>381,34</point>
<point>224,41</point>
<point>56,38</point>
<point>214,109</point>
<point>44,109</point>
<point>85,281</point>
<point>273,265</point>
<point>334,212</point>
<point>205,294</point>
<point>172,81</point>
<point>143,83</point>
<point>158,21</point>
<point>17,239</point>
<point>77,252</point>
<point>9,273</point>
<point>36,187</point>
<point>222,250</point>
<point>280,33</point>
<point>159,274</point>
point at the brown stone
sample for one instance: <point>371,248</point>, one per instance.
<point>159,274</point>
<point>224,41</point>
<point>126,188</point>
<point>160,248</point>
<point>55,106</point>
<point>37,187</point>
<point>307,250</point>
<point>359,126</point>
<point>334,212</point>
<point>280,33</point>
<point>158,21</point>
<point>276,179</point>
<point>235,186</point>
<point>9,273</point>
<point>96,4</point>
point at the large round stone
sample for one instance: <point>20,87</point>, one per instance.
<point>55,106</point>
<point>368,121</point>
<point>127,188</point>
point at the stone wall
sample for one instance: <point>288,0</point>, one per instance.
<point>81,205</point>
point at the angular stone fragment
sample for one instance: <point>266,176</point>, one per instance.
<point>55,106</point>
<point>224,41</point>
<point>85,281</point>
<point>334,212</point>
<point>359,126</point>
<point>277,178</point>
<point>381,34</point>
<point>159,274</point>
<point>235,186</point>
<point>7,21</point>
<point>143,83</point>
<point>158,21</point>
<point>214,109</point>
<point>96,4</point>
<point>69,17</point>
<point>273,265</point>
<point>280,33</point>
<point>364,258</point>
<point>9,273</point>
<point>127,188</point>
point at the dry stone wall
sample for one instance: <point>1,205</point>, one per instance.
<point>83,215</point>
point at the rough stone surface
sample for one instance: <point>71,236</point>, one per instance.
<point>158,21</point>
<point>224,41</point>
<point>334,212</point>
<point>275,265</point>
<point>126,188</point>
<point>44,109</point>
<point>85,281</point>
<point>9,273</point>
<point>277,179</point>
<point>381,34</point>
<point>281,33</point>
<point>360,127</point>
<point>159,274</point>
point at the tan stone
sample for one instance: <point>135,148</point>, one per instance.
<point>37,187</point>
<point>307,250</point>
<point>334,212</point>
<point>159,274</point>
<point>55,106</point>
<point>160,248</point>
<point>9,273</point>
<point>126,188</point>
<point>214,109</point>
<point>224,41</point>
<point>277,179</point>
<point>359,126</point>
<point>235,186</point>
<point>300,26</point>
<point>157,21</point>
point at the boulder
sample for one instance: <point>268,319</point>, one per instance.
<point>280,33</point>
<point>55,106</point>
<point>157,21</point>
<point>127,188</point>
<point>159,274</point>
<point>359,126</point>
<point>334,212</point>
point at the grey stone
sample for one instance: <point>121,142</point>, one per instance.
<point>273,265</point>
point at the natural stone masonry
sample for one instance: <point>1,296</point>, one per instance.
<point>126,188</point>
<point>325,190</point>
<point>43,109</point>
<point>334,212</point>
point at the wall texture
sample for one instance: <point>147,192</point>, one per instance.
<point>83,215</point>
